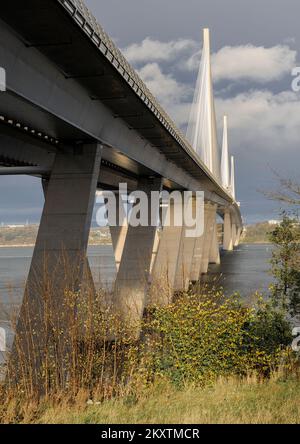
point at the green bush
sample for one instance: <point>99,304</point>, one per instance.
<point>201,338</point>
<point>268,332</point>
<point>285,290</point>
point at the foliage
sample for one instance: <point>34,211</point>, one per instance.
<point>286,265</point>
<point>256,233</point>
<point>197,339</point>
<point>268,332</point>
<point>200,338</point>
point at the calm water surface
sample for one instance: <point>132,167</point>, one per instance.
<point>15,264</point>
<point>245,270</point>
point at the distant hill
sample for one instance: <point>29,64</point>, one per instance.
<point>25,236</point>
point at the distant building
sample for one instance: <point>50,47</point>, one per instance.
<point>15,226</point>
<point>274,222</point>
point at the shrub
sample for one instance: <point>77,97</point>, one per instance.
<point>200,338</point>
<point>268,334</point>
<point>286,265</point>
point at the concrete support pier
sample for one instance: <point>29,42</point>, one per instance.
<point>234,235</point>
<point>227,239</point>
<point>214,255</point>
<point>238,237</point>
<point>165,264</point>
<point>132,280</point>
<point>197,258</point>
<point>185,256</point>
<point>211,211</point>
<point>59,260</point>
<point>119,231</point>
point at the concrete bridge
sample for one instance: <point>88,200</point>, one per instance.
<point>78,116</point>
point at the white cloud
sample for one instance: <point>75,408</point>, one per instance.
<point>265,121</point>
<point>248,62</point>
<point>163,86</point>
<point>269,123</point>
<point>253,63</point>
<point>193,62</point>
<point>290,40</point>
<point>153,50</point>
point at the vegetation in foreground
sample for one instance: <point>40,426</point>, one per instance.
<point>189,345</point>
<point>191,364</point>
<point>230,401</point>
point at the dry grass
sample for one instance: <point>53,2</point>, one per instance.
<point>227,402</point>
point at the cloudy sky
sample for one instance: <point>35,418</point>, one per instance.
<point>255,46</point>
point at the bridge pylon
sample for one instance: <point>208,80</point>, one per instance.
<point>202,127</point>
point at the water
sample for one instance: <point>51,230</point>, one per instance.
<point>245,270</point>
<point>15,264</point>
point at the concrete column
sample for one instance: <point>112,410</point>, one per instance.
<point>199,250</point>
<point>238,237</point>
<point>211,211</point>
<point>185,259</point>
<point>165,263</point>
<point>234,235</point>
<point>214,254</point>
<point>155,251</point>
<point>88,282</point>
<point>227,239</point>
<point>132,281</point>
<point>119,232</point>
<point>59,261</point>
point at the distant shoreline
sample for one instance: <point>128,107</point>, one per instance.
<point>33,245</point>
<point>17,246</point>
<point>256,242</point>
<point>109,243</point>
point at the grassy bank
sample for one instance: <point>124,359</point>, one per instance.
<point>228,401</point>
